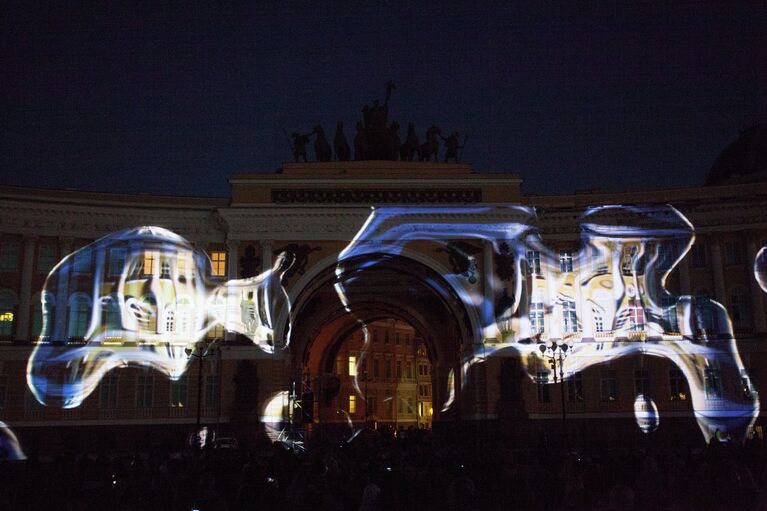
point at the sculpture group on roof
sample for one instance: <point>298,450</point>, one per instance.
<point>377,139</point>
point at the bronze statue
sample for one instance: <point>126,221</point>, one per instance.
<point>431,146</point>
<point>321,145</point>
<point>299,145</point>
<point>341,146</point>
<point>452,144</point>
<point>360,143</point>
<point>395,141</point>
<point>409,149</point>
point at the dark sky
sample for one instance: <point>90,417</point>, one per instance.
<point>172,99</point>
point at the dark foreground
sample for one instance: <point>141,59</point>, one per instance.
<point>417,472</point>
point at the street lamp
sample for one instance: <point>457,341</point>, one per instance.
<point>556,352</point>
<point>200,351</point>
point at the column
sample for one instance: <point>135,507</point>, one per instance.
<point>25,296</point>
<point>62,290</point>
<point>488,305</point>
<point>231,272</point>
<point>757,298</point>
<point>266,255</point>
<point>716,266</point>
<point>231,259</point>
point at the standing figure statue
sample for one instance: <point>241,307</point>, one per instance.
<point>452,144</point>
<point>409,149</point>
<point>321,146</point>
<point>395,141</point>
<point>341,146</point>
<point>360,143</point>
<point>431,146</point>
<point>299,145</point>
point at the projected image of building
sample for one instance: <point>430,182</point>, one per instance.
<point>418,379</point>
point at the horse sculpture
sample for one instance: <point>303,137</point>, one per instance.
<point>321,146</point>
<point>409,150</point>
<point>430,148</point>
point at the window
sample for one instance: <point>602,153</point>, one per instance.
<point>352,366</point>
<point>375,335</point>
<point>218,260</point>
<point>37,320</point>
<point>410,409</point>
<point>82,260</point>
<point>6,324</point>
<point>376,371</point>
<point>211,390</point>
<point>387,365</point>
<point>151,259</point>
<point>698,255</point>
<point>116,261</point>
<point>170,320</point>
<point>575,388</point>
<point>352,403</point>
<point>670,321</point>
<point>733,252</point>
<point>408,370</point>
<point>544,393</point>
<point>566,262</point>
<point>628,260</point>
<point>739,308</point>
<point>216,331</point>
<point>108,392</point>
<point>165,270</point>
<point>635,315</point>
<point>179,392</point>
<point>534,262</point>
<point>9,255</point>
<point>598,260</point>
<point>609,385</point>
<point>705,314</point>
<point>386,337</point>
<point>599,321</point>
<point>569,317</point>
<point>79,317</point>
<point>713,381</point>
<point>407,339</point>
<point>641,382</point>
<point>46,257</point>
<point>536,318</point>
<point>388,400</point>
<point>184,263</point>
<point>396,338</point>
<point>144,391</point>
<point>677,385</point>
<point>399,369</point>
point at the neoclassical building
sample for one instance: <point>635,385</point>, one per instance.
<point>313,211</point>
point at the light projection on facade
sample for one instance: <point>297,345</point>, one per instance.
<point>150,296</point>
<point>606,301</point>
<point>147,298</point>
<point>760,268</point>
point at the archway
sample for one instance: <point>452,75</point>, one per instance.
<point>394,289</point>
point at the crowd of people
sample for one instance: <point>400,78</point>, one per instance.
<point>380,471</point>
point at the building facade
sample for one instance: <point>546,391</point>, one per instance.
<point>313,211</point>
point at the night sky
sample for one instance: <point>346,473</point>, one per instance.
<point>173,99</point>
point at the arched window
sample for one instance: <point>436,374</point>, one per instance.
<point>8,304</point>
<point>111,319</point>
<point>79,315</point>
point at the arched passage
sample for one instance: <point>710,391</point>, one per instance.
<point>394,288</point>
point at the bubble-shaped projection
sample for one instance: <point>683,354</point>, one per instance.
<point>140,297</point>
<point>605,301</point>
<point>760,268</point>
<point>646,414</point>
<point>10,448</point>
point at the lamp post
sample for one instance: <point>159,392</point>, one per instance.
<point>556,352</point>
<point>200,351</point>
